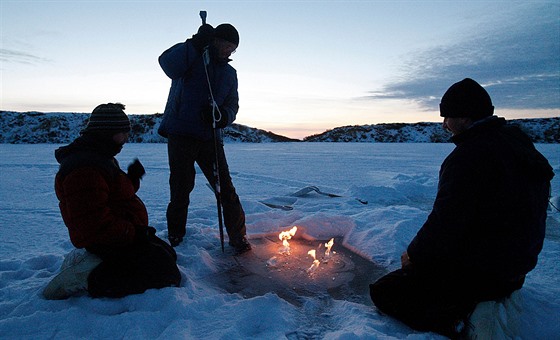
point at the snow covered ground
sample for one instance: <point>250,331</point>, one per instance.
<point>398,180</point>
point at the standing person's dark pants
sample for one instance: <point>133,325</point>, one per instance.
<point>183,152</point>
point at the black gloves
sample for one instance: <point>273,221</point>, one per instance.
<point>143,233</point>
<point>203,37</point>
<point>207,116</point>
<point>136,170</point>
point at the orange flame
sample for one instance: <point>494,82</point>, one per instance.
<point>316,262</point>
<point>329,245</point>
<point>285,236</point>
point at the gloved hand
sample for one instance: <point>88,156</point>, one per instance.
<point>203,37</point>
<point>143,233</point>
<point>136,170</point>
<point>208,117</point>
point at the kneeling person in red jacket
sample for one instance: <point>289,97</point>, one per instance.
<point>104,216</point>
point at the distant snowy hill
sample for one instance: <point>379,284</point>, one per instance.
<point>38,127</point>
<point>541,130</point>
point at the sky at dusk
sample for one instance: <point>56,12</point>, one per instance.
<point>303,66</point>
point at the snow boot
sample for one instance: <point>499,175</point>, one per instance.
<point>174,241</point>
<point>241,245</point>
<point>73,276</point>
<point>496,319</point>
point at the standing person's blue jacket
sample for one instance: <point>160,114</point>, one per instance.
<point>189,96</point>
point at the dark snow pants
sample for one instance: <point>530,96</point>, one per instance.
<point>183,152</point>
<point>430,302</point>
<point>134,269</point>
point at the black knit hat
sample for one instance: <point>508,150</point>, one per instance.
<point>466,99</point>
<point>228,33</point>
<point>108,118</point>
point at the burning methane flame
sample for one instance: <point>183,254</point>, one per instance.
<point>329,245</point>
<point>316,262</point>
<point>284,237</point>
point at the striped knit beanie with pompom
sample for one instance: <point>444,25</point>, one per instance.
<point>108,118</point>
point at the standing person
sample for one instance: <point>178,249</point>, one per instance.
<point>188,125</point>
<point>99,205</point>
<point>487,225</point>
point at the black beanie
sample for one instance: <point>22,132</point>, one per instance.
<point>228,33</point>
<point>466,99</point>
<point>108,118</point>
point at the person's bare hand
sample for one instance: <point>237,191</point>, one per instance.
<point>405,260</point>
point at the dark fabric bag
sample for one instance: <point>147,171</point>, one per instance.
<point>134,269</point>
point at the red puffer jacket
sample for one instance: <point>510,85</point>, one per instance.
<point>98,201</point>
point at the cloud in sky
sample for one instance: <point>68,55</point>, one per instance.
<point>516,59</point>
<point>14,56</point>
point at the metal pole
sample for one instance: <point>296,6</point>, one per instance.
<point>217,188</point>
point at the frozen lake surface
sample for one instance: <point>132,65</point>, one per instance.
<point>398,181</point>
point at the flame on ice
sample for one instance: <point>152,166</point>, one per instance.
<point>316,262</point>
<point>285,236</point>
<point>329,245</point>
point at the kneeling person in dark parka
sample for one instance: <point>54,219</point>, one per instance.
<point>487,224</point>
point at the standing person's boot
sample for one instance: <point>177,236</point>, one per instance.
<point>240,245</point>
<point>175,240</point>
